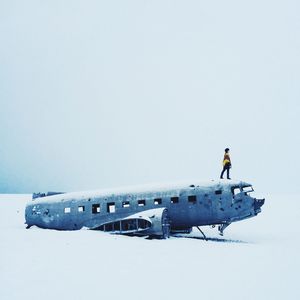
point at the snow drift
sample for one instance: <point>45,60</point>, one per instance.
<point>256,259</point>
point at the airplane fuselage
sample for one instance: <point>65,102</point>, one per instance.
<point>185,206</point>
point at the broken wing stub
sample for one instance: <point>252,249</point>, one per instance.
<point>152,222</point>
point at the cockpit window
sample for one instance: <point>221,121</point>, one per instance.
<point>235,190</point>
<point>247,189</point>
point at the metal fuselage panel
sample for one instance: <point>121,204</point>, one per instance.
<point>187,206</point>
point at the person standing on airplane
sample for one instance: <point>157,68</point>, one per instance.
<point>226,164</point>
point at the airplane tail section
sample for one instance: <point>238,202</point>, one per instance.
<point>41,195</point>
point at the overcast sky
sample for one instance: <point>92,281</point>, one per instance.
<point>98,94</point>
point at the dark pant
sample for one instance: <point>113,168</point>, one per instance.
<point>226,168</point>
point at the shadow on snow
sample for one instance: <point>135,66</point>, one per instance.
<point>211,239</point>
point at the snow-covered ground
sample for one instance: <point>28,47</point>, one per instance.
<point>257,259</point>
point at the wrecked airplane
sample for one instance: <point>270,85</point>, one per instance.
<point>155,211</point>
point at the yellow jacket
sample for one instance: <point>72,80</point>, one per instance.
<point>226,159</point>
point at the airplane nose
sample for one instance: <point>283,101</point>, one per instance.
<point>258,203</point>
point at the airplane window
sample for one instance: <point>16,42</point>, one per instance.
<point>125,204</point>
<point>111,207</point>
<point>174,200</point>
<point>192,199</point>
<point>96,208</point>
<point>235,190</point>
<point>248,189</point>
<point>81,208</point>
<point>141,203</point>
<point>219,192</point>
<point>67,210</point>
<point>157,201</point>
